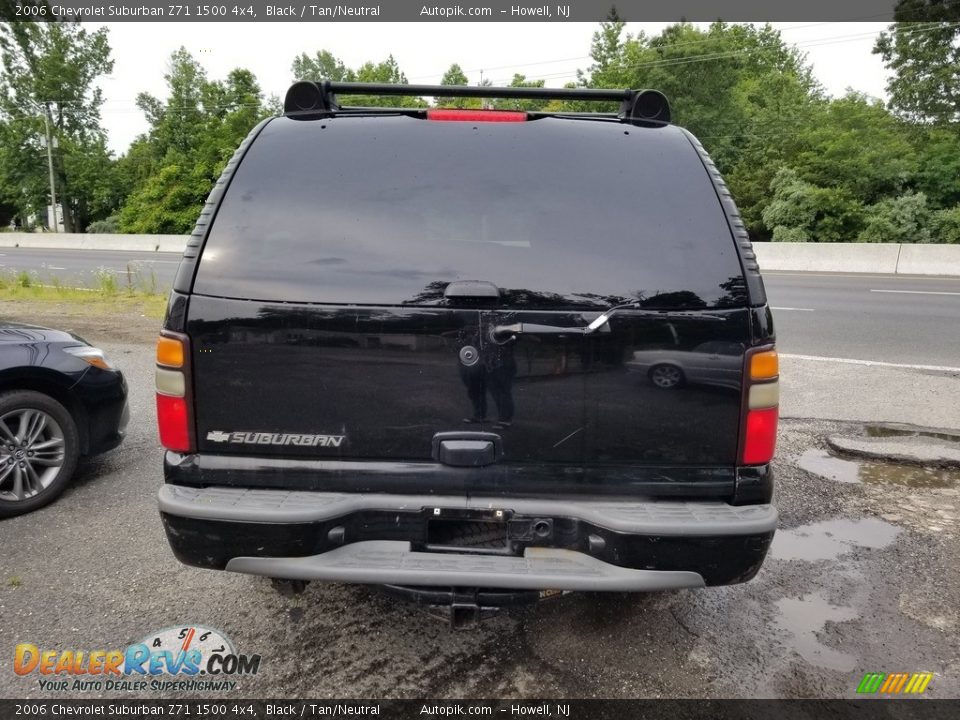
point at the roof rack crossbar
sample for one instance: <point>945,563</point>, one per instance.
<point>478,91</point>
<point>307,96</point>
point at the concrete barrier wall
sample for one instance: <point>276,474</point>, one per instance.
<point>830,257</point>
<point>85,241</point>
<point>929,260</point>
<point>882,258</point>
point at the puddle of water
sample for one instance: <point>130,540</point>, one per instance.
<point>914,476</point>
<point>893,431</point>
<point>829,539</point>
<point>804,618</point>
<point>822,463</point>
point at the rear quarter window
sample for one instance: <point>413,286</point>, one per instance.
<point>388,210</point>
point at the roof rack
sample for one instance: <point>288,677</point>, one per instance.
<point>304,96</point>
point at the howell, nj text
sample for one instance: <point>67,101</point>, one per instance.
<point>539,11</point>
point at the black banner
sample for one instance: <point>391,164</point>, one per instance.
<point>471,10</point>
<point>221,709</point>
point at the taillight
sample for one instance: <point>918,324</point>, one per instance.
<point>173,408</point>
<point>170,351</point>
<point>173,418</point>
<point>762,379</point>
<point>454,115</point>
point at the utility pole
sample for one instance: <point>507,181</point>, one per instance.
<point>484,102</point>
<point>53,188</point>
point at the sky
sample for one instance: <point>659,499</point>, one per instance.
<point>840,54</point>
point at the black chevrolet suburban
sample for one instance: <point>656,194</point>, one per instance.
<point>470,354</point>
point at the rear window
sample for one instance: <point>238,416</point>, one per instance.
<point>389,210</point>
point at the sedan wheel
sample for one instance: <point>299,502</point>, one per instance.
<point>666,376</point>
<point>38,450</point>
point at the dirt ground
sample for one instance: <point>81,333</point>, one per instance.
<point>121,322</point>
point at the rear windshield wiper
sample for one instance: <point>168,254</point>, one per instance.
<point>635,306</point>
<point>507,332</point>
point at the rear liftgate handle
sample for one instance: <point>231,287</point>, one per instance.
<point>467,449</point>
<point>476,289</point>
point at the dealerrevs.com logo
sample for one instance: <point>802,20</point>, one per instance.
<point>186,658</point>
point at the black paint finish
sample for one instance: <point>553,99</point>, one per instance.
<point>381,303</point>
<point>389,378</point>
<point>32,358</point>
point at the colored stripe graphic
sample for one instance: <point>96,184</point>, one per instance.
<point>922,683</point>
<point>871,682</point>
<point>889,683</point>
<point>894,683</point>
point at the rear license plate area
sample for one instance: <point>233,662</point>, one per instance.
<point>467,531</point>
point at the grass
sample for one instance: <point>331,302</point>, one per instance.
<point>15,581</point>
<point>130,291</point>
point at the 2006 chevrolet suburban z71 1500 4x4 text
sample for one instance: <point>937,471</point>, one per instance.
<point>470,354</point>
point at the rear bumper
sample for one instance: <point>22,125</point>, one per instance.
<point>103,394</point>
<point>384,539</point>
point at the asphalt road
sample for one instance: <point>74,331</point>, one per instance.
<point>80,266</point>
<point>879,318</point>
<point>883,318</point>
<point>862,578</point>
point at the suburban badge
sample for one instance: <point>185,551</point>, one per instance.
<point>266,438</point>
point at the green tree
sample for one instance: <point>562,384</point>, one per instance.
<point>922,51</point>
<point>945,225</point>
<point>323,65</point>
<point>170,201</point>
<point>903,219</point>
<point>855,143</point>
<point>609,50</point>
<point>135,166</point>
<point>8,213</point>
<point>192,136</point>
<point>49,85</point>
<point>726,84</point>
<point>739,88</point>
<point>95,189</point>
<point>177,125</point>
<point>803,212</point>
<point>455,76</point>
<point>520,81</point>
<point>937,163</point>
<point>383,72</point>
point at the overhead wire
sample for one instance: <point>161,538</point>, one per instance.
<point>686,43</point>
<point>815,42</point>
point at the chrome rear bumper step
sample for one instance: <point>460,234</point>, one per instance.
<point>393,562</point>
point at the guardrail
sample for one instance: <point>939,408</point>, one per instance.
<point>882,258</point>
